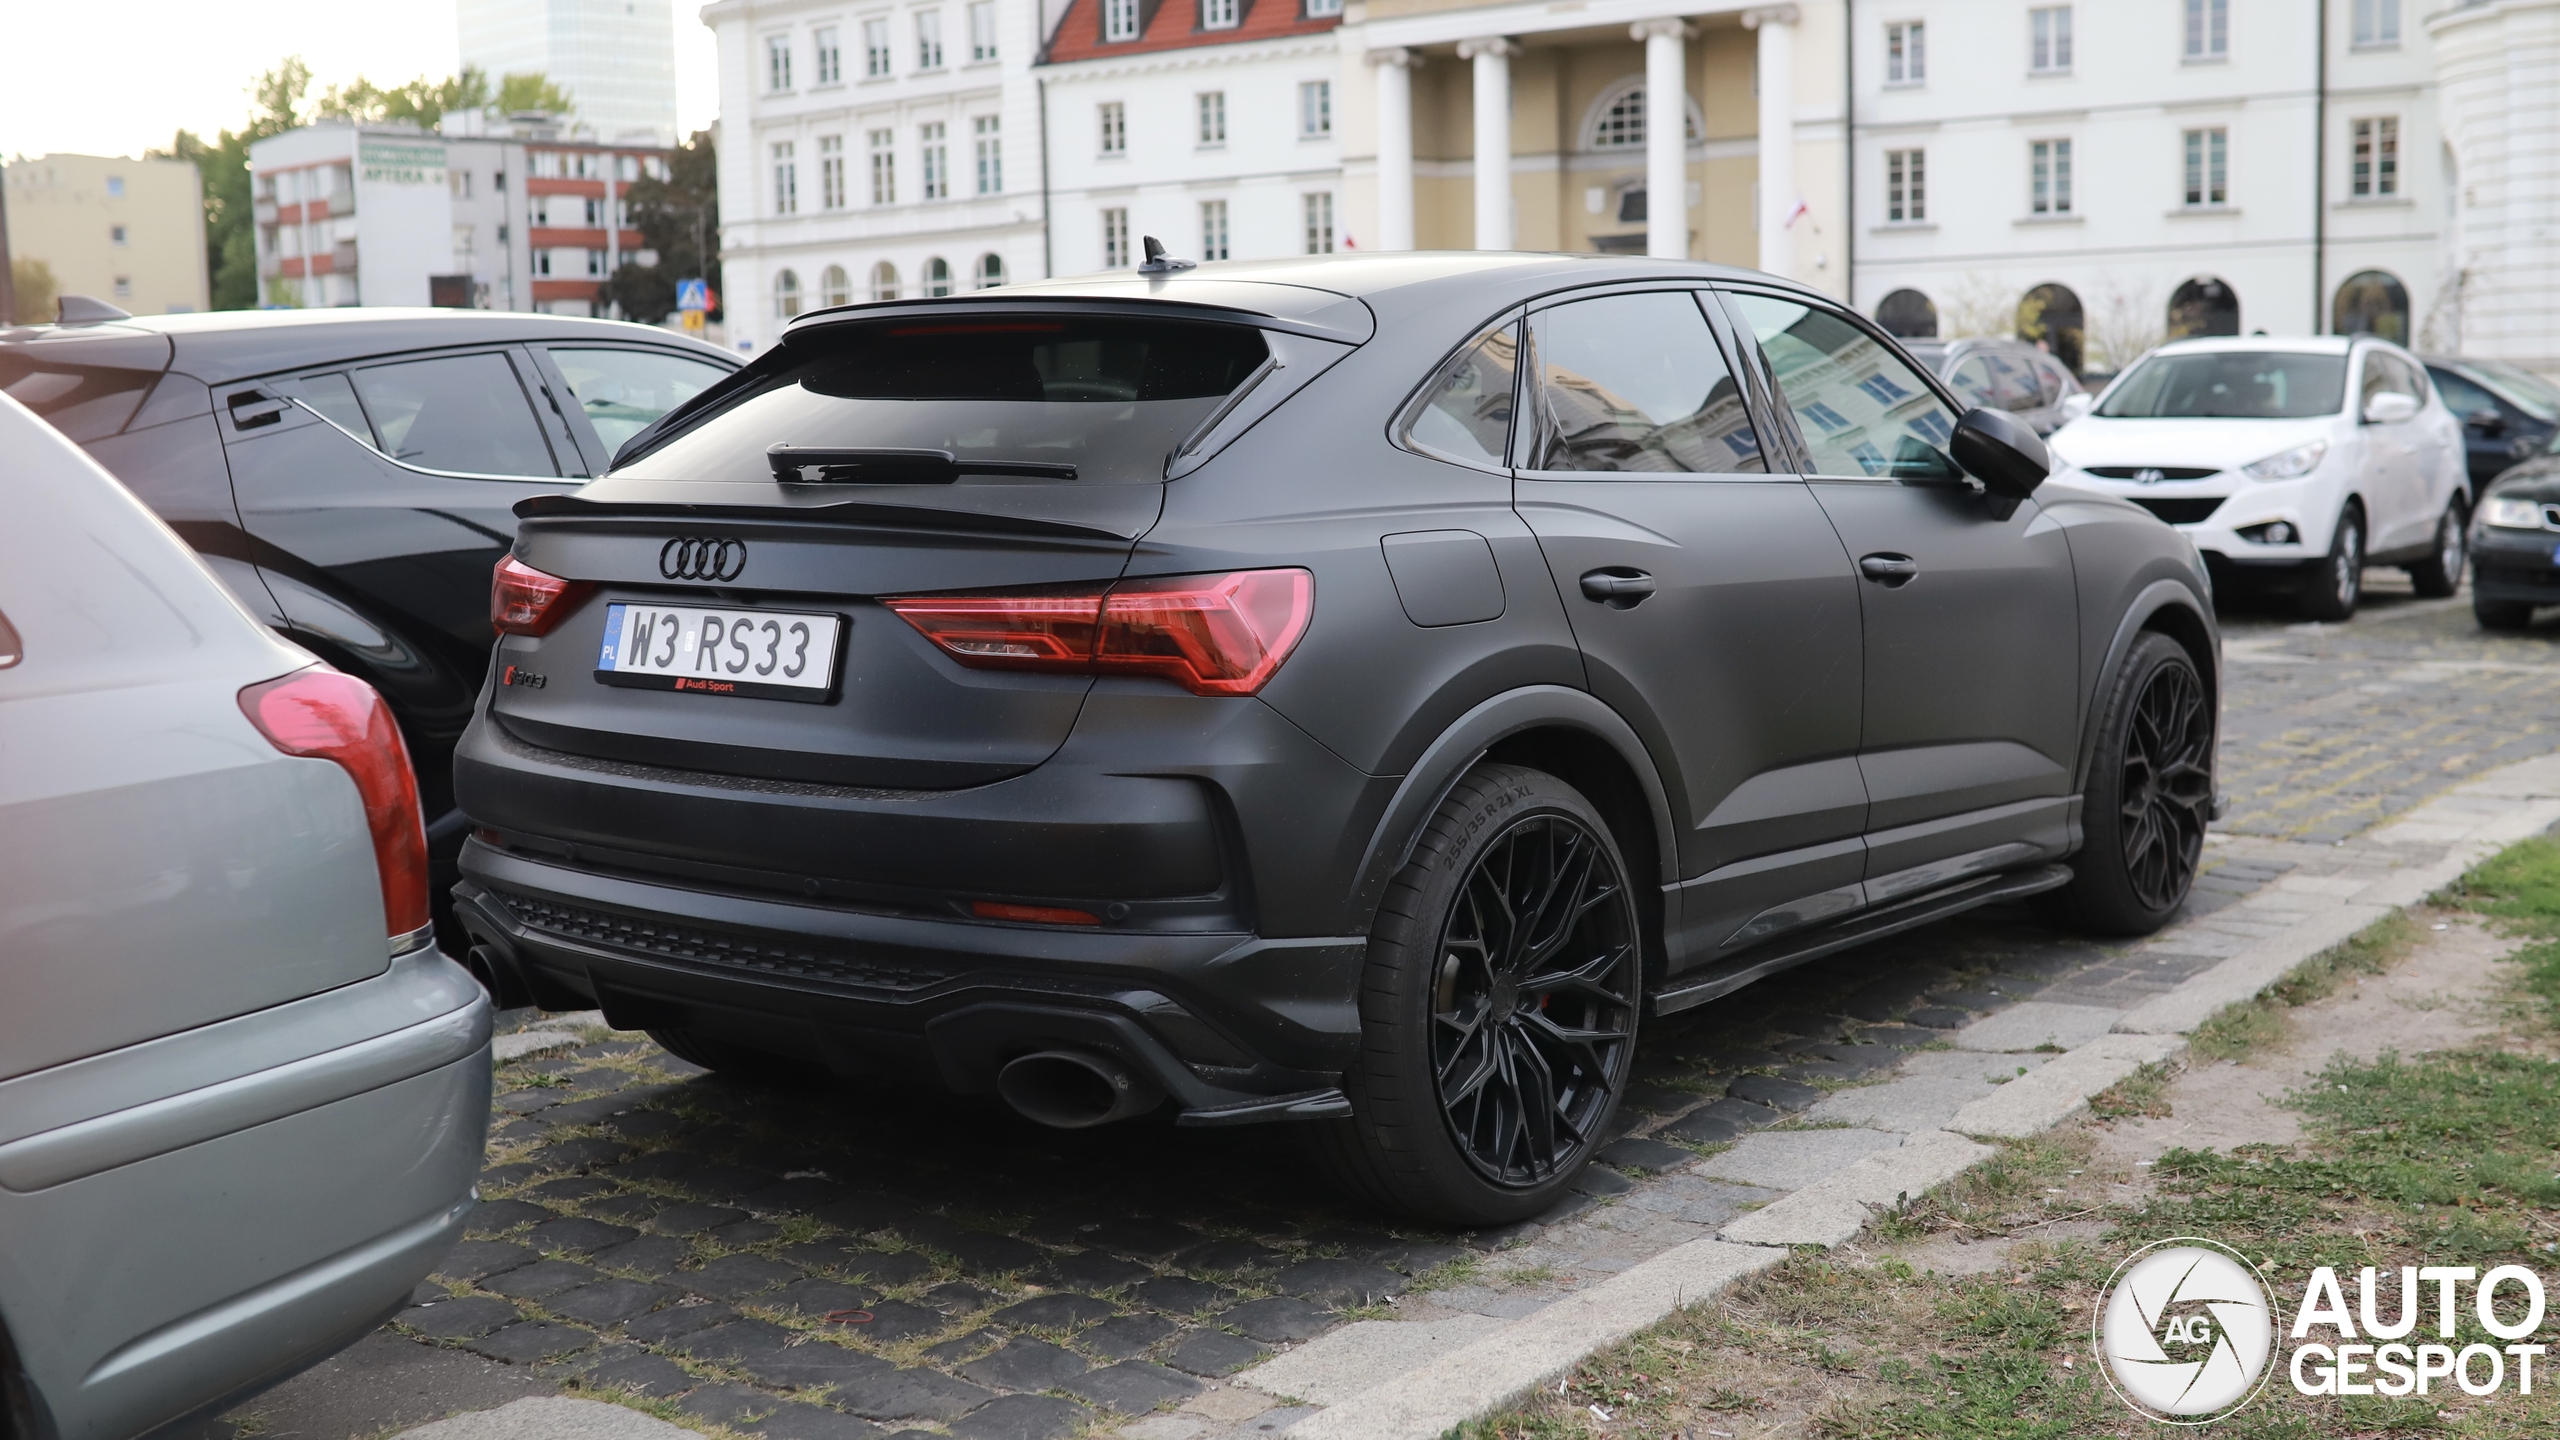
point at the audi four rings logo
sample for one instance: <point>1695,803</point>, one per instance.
<point>693,557</point>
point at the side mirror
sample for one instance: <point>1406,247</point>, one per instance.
<point>2002,451</point>
<point>2077,404</point>
<point>2487,422</point>
<point>2390,408</point>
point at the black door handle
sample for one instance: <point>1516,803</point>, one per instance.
<point>1890,571</point>
<point>1617,587</point>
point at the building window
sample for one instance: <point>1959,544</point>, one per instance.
<point>2049,166</point>
<point>1218,14</point>
<point>1213,117</point>
<point>2208,30</point>
<point>875,48</point>
<point>830,56</point>
<point>831,171</point>
<point>115,187</point>
<point>1315,109</point>
<point>928,39</point>
<point>124,287</point>
<point>1906,186</point>
<point>990,273</point>
<point>546,164</point>
<point>884,169</point>
<point>592,212</point>
<point>1320,9</point>
<point>2377,158</point>
<point>884,281</point>
<point>786,295</point>
<point>1115,238</point>
<point>786,181</point>
<point>937,277</point>
<point>982,30</point>
<point>115,235</point>
<point>1213,229</point>
<point>595,264</point>
<point>2208,166</point>
<point>1119,20</point>
<point>937,161</point>
<point>1317,211</point>
<point>834,287</point>
<point>1115,127</point>
<point>541,258</point>
<point>2377,23</point>
<point>990,155</point>
<point>1906,53</point>
<point>777,62</point>
<point>2049,39</point>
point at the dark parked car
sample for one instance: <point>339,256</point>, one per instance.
<point>2009,375</point>
<point>351,475</point>
<point>1347,691</point>
<point>2508,413</point>
<point>2515,545</point>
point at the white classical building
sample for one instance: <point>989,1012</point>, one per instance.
<point>2495,62</point>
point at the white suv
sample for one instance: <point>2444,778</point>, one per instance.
<point>2293,461</point>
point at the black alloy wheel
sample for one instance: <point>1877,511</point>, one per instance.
<point>1498,1012</point>
<point>2149,797</point>
<point>2440,574</point>
<point>2333,584</point>
<point>1533,1007</point>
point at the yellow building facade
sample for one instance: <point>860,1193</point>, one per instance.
<point>128,232</point>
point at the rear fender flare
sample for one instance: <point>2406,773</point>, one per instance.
<point>2155,597</point>
<point>1447,760</point>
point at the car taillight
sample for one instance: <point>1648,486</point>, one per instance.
<point>1211,634</point>
<point>332,716</point>
<point>524,601</point>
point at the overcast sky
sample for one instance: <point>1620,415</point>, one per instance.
<point>117,77</point>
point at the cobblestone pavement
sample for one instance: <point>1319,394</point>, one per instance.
<point>866,1259</point>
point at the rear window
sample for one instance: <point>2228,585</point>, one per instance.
<point>2231,385</point>
<point>1112,397</point>
<point>84,402</point>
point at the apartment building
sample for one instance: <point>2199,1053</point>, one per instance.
<point>129,232</point>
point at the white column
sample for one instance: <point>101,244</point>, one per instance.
<point>1666,137</point>
<point>1395,146</point>
<point>1493,139</point>
<point>1778,195</point>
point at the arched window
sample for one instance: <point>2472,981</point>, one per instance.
<point>884,281</point>
<point>2204,306</point>
<point>937,276</point>
<point>990,271</point>
<point>1908,315</point>
<point>834,287</point>
<point>2371,302</point>
<point>2050,316</point>
<point>786,294</point>
<point>1616,121</point>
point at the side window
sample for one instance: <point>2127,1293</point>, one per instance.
<point>2052,381</point>
<point>1972,381</point>
<point>1466,413</point>
<point>2384,372</point>
<point>464,413</point>
<point>622,391</point>
<point>1861,409</point>
<point>2461,396</point>
<point>1635,383</point>
<point>334,396</point>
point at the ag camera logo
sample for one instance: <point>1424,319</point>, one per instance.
<point>2185,1330</point>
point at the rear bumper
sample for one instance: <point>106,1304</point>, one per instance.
<point>1217,1018</point>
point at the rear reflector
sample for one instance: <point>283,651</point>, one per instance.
<point>332,716</point>
<point>1211,634</point>
<point>525,601</point>
<point>1032,914</point>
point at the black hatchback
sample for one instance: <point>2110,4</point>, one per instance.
<point>351,475</point>
<point>1348,691</point>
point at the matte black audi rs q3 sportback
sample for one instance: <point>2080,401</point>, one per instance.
<point>1349,691</point>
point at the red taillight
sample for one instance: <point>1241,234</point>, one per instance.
<point>331,716</point>
<point>1211,634</point>
<point>524,601</point>
<point>1033,914</point>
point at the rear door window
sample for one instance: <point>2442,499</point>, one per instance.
<point>621,392</point>
<point>1861,410</point>
<point>1635,383</point>
<point>467,414</point>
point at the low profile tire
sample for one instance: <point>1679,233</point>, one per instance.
<point>2333,584</point>
<point>2440,574</point>
<point>737,1062</point>
<point>1498,1008</point>
<point>2149,795</point>
<point>2501,614</point>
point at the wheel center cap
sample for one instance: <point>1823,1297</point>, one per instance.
<point>1505,998</point>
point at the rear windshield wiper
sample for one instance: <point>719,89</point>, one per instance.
<point>882,465</point>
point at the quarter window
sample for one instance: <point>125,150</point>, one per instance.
<point>1466,413</point>
<point>1831,372</point>
<point>623,391</point>
<point>464,413</point>
<point>1635,384</point>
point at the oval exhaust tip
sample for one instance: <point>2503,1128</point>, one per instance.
<point>1075,1089</point>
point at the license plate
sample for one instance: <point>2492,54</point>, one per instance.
<point>766,654</point>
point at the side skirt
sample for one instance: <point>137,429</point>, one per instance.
<point>1732,975</point>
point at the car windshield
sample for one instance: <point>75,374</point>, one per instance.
<point>1112,397</point>
<point>2230,385</point>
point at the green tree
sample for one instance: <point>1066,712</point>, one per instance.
<point>32,285</point>
<point>678,217</point>
<point>532,92</point>
<point>422,101</point>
